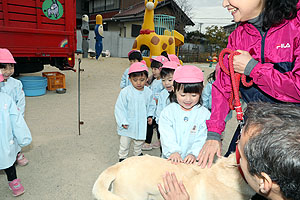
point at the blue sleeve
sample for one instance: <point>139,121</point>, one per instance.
<point>20,98</point>
<point>151,107</point>
<point>121,109</point>
<point>124,79</point>
<point>168,136</point>
<point>19,127</point>
<point>206,96</point>
<point>159,108</point>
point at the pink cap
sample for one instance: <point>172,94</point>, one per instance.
<point>174,58</point>
<point>138,67</point>
<point>171,65</point>
<point>6,57</point>
<point>188,74</point>
<point>130,52</point>
<point>161,59</point>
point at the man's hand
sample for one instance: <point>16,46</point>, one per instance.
<point>172,190</point>
<point>207,153</point>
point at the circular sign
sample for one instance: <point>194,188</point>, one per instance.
<point>53,9</point>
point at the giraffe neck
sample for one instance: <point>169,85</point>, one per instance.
<point>148,20</point>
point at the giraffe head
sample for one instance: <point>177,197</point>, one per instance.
<point>151,4</point>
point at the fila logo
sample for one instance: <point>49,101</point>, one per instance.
<point>283,46</point>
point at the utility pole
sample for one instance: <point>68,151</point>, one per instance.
<point>200,26</point>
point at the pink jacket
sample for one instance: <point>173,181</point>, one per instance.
<point>276,77</point>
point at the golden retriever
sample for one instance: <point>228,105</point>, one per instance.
<point>136,178</point>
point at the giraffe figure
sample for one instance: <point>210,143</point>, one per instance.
<point>148,40</point>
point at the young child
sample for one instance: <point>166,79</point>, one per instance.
<point>13,88</point>
<point>182,123</point>
<point>155,84</point>
<point>133,56</point>
<point>268,40</point>
<point>14,134</point>
<point>206,94</point>
<point>134,108</point>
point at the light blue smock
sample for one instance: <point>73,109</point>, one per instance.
<point>163,101</point>
<point>14,88</point>
<point>156,87</point>
<point>206,98</point>
<point>125,79</point>
<point>132,108</point>
<point>14,132</point>
<point>183,131</point>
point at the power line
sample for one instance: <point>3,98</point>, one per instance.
<point>211,18</point>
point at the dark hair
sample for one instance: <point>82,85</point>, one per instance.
<point>136,56</point>
<point>275,147</point>
<point>165,71</point>
<point>136,74</point>
<point>187,88</point>
<point>3,65</point>
<point>211,77</point>
<point>275,11</point>
<point>156,64</point>
<point>165,55</point>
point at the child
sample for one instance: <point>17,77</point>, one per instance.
<point>155,84</point>
<point>13,88</point>
<point>135,107</point>
<point>182,123</point>
<point>133,56</point>
<point>268,40</point>
<point>206,94</point>
<point>14,134</point>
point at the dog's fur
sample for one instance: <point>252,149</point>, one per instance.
<point>136,178</point>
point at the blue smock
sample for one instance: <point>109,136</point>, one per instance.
<point>156,87</point>
<point>125,79</point>
<point>14,132</point>
<point>183,131</point>
<point>206,98</point>
<point>14,88</point>
<point>132,108</point>
<point>163,101</point>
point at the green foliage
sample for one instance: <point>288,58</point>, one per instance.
<point>216,36</point>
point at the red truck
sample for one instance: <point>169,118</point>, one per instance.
<point>39,32</point>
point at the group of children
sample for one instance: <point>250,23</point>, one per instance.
<point>169,100</point>
<point>14,133</point>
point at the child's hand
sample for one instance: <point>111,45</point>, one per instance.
<point>240,61</point>
<point>175,158</point>
<point>125,126</point>
<point>189,159</point>
<point>149,120</point>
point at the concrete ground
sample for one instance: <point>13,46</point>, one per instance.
<point>64,165</point>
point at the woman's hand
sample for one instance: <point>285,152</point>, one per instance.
<point>173,190</point>
<point>189,159</point>
<point>240,61</point>
<point>207,153</point>
<point>125,126</point>
<point>175,158</point>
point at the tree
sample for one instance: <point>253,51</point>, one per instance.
<point>185,6</point>
<point>216,37</point>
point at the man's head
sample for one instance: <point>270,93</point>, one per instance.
<point>270,149</point>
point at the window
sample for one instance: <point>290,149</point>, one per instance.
<point>135,30</point>
<point>104,5</point>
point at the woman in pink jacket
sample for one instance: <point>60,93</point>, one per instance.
<point>268,38</point>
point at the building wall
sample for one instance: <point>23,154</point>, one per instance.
<point>127,3</point>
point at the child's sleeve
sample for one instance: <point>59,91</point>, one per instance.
<point>158,108</point>
<point>124,79</point>
<point>206,96</point>
<point>121,109</point>
<point>151,106</point>
<point>19,127</point>
<point>20,98</point>
<point>167,135</point>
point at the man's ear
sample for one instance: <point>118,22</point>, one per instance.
<point>265,183</point>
